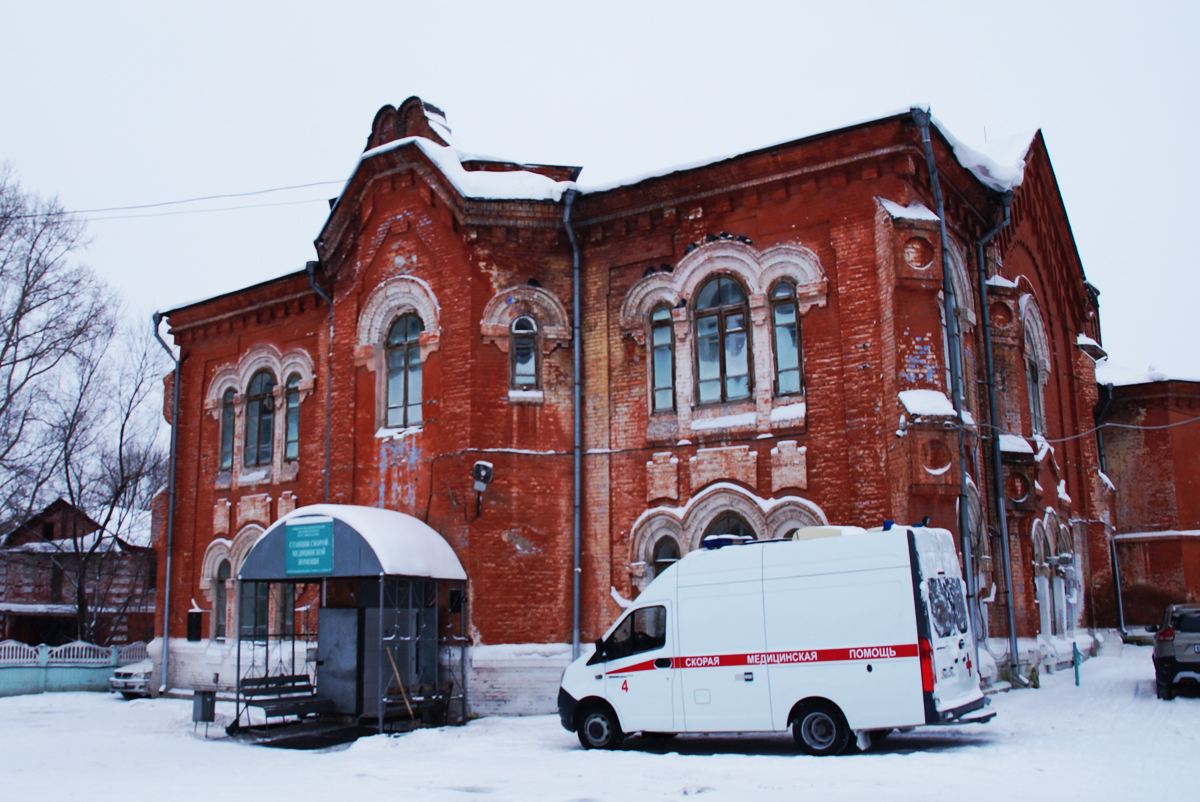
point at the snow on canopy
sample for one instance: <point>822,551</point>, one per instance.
<point>926,403</point>
<point>404,545</point>
<point>914,211</point>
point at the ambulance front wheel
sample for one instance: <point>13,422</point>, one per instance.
<point>599,728</point>
<point>820,729</point>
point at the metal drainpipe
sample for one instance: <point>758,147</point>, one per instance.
<point>1112,545</point>
<point>997,467</point>
<point>311,268</point>
<point>157,318</point>
<point>922,119</point>
<point>569,198</point>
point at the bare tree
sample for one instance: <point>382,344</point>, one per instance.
<point>111,462</point>
<point>77,412</point>
<point>50,308</point>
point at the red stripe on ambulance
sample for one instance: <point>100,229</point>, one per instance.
<point>781,658</point>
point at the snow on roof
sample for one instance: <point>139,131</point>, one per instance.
<point>1154,535</point>
<point>914,211</point>
<point>481,184</point>
<point>1118,375</point>
<point>1000,165</point>
<point>1000,281</point>
<point>1015,444</point>
<point>930,403</point>
<point>404,545</point>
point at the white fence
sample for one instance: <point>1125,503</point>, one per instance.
<point>14,653</point>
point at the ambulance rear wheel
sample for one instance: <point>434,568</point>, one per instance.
<point>599,728</point>
<point>820,729</point>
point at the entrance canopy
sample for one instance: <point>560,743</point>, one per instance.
<point>341,540</point>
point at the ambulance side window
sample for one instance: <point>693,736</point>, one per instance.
<point>643,630</point>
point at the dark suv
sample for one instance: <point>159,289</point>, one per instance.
<point>1177,649</point>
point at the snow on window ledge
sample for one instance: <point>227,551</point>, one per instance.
<point>741,421</point>
<point>789,413</point>
<point>254,477</point>
<point>526,397</point>
<point>396,433</point>
<point>1015,444</point>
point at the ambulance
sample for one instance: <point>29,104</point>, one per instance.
<point>839,633</point>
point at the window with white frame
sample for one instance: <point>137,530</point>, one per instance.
<point>524,354</point>
<point>227,430</point>
<point>722,342</point>
<point>662,360</point>
<point>404,372</point>
<point>260,420</point>
<point>291,436</point>
<point>789,373</point>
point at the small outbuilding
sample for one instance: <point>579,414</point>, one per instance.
<point>352,610</point>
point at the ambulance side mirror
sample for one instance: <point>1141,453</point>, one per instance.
<point>600,646</point>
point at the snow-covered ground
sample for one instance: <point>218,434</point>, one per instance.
<point>1109,739</point>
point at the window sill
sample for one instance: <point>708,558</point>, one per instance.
<point>526,397</point>
<point>254,476</point>
<point>393,433</point>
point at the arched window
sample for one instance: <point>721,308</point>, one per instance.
<point>292,435</point>
<point>260,419</point>
<point>665,554</point>
<point>728,523</point>
<point>525,373</point>
<point>662,349</point>
<point>1033,384</point>
<point>789,376</point>
<point>227,430</point>
<point>722,344</point>
<point>404,372</point>
<point>220,600</point>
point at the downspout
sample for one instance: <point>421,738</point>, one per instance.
<point>1112,544</point>
<point>997,467</point>
<point>311,268</point>
<point>953,336</point>
<point>569,198</point>
<point>166,652</point>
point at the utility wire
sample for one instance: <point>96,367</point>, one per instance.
<point>203,211</point>
<point>186,200</point>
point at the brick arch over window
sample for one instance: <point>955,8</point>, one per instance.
<point>395,297</point>
<point>554,327</point>
<point>786,514</point>
<point>259,357</point>
<point>241,545</point>
<point>757,271</point>
<point>964,298</point>
<point>1035,332</point>
<point>217,552</point>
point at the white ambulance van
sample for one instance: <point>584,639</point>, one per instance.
<point>837,633</point>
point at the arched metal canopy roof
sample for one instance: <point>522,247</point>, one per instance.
<point>351,541</point>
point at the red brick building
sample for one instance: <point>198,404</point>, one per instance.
<point>1153,458</point>
<point>765,345</point>
<point>45,559</point>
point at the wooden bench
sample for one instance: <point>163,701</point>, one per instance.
<point>286,695</point>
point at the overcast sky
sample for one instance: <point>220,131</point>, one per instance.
<point>121,104</point>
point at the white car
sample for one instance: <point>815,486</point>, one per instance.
<point>133,680</point>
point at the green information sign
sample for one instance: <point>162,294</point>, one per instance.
<point>309,548</point>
